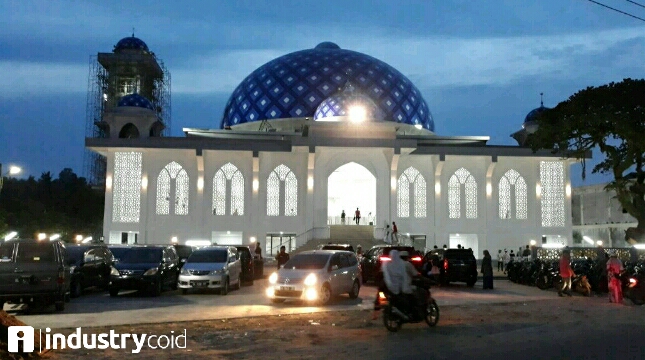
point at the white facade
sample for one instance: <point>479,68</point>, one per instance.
<point>504,200</point>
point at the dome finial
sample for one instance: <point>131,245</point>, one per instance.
<point>541,99</point>
<point>133,32</point>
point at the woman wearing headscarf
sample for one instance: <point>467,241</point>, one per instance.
<point>614,268</point>
<point>487,270</point>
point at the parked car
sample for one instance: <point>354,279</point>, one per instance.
<point>248,267</point>
<point>330,246</point>
<point>316,276</point>
<point>150,267</point>
<point>211,267</point>
<point>373,259</point>
<point>455,265</point>
<point>183,251</point>
<point>118,251</point>
<point>90,265</point>
<point>34,271</point>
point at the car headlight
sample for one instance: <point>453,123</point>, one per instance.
<point>184,271</point>
<point>152,271</point>
<point>217,272</point>
<point>114,271</point>
<point>311,280</point>
<point>273,278</point>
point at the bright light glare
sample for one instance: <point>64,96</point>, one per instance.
<point>54,237</point>
<point>10,236</point>
<point>79,237</point>
<point>42,236</point>
<point>311,294</point>
<point>86,240</point>
<point>587,239</point>
<point>418,126</point>
<point>599,243</point>
<point>532,242</point>
<point>270,292</point>
<point>357,113</point>
<point>173,240</point>
<point>253,239</point>
<point>311,280</point>
<point>640,246</point>
<point>198,242</point>
<point>273,278</point>
<point>14,170</point>
<point>553,246</point>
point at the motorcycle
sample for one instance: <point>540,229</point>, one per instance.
<point>636,289</point>
<point>581,285</point>
<point>426,307</point>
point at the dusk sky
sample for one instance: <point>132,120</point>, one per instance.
<point>480,65</point>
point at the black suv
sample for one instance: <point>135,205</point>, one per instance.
<point>248,268</point>
<point>374,257</point>
<point>90,265</point>
<point>37,270</point>
<point>456,265</point>
<point>152,267</point>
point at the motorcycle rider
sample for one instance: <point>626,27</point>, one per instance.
<point>398,275</point>
<point>614,268</point>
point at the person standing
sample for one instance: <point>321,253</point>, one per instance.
<point>507,259</point>
<point>282,256</point>
<point>357,216</point>
<point>395,233</point>
<point>566,272</point>
<point>487,270</point>
<point>258,250</point>
<point>500,260</point>
<point>386,238</point>
<point>614,268</point>
<point>342,217</point>
<point>526,254</point>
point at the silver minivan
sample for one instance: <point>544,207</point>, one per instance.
<point>316,276</point>
<point>211,267</point>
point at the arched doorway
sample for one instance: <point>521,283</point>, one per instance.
<point>349,187</point>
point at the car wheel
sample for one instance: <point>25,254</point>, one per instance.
<point>224,289</point>
<point>471,282</point>
<point>158,287</point>
<point>173,286</point>
<point>391,321</point>
<point>60,305</point>
<point>114,292</point>
<point>356,288</point>
<point>432,313</point>
<point>184,291</point>
<point>325,294</point>
<point>76,289</point>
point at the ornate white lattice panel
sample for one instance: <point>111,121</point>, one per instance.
<point>411,176</point>
<point>512,189</point>
<point>459,178</point>
<point>173,176</point>
<point>228,182</point>
<point>552,197</point>
<point>282,175</point>
<point>126,189</point>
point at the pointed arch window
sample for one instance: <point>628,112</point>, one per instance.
<point>411,194</point>
<point>462,185</point>
<point>512,196</point>
<point>282,192</point>
<point>172,180</point>
<point>228,183</point>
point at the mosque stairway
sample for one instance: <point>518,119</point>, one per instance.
<point>345,234</point>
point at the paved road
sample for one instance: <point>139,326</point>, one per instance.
<point>99,309</point>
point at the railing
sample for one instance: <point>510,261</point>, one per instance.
<point>587,252</point>
<point>349,220</point>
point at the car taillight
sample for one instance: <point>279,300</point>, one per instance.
<point>61,277</point>
<point>416,258</point>
<point>633,282</point>
<point>445,264</point>
<point>384,258</point>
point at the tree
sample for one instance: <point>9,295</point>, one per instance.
<point>611,118</point>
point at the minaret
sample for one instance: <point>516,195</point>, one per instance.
<point>131,76</point>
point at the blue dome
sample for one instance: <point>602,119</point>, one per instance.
<point>130,43</point>
<point>136,100</point>
<point>339,104</point>
<point>533,114</point>
<point>294,85</point>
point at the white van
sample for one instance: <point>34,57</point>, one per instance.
<point>211,267</point>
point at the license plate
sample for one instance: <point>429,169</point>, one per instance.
<point>199,283</point>
<point>287,288</point>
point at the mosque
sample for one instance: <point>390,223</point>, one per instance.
<point>303,138</point>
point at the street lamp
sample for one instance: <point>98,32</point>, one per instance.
<point>13,170</point>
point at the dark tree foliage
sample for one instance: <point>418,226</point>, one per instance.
<point>66,205</point>
<point>611,118</point>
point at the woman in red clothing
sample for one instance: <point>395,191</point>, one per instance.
<point>566,272</point>
<point>614,268</point>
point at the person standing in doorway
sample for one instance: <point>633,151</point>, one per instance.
<point>282,256</point>
<point>395,233</point>
<point>357,216</point>
<point>342,217</point>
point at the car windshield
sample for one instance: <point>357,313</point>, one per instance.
<point>142,256</point>
<point>118,252</point>
<point>184,251</point>
<point>208,256</point>
<point>307,261</point>
<point>35,252</point>
<point>76,253</point>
